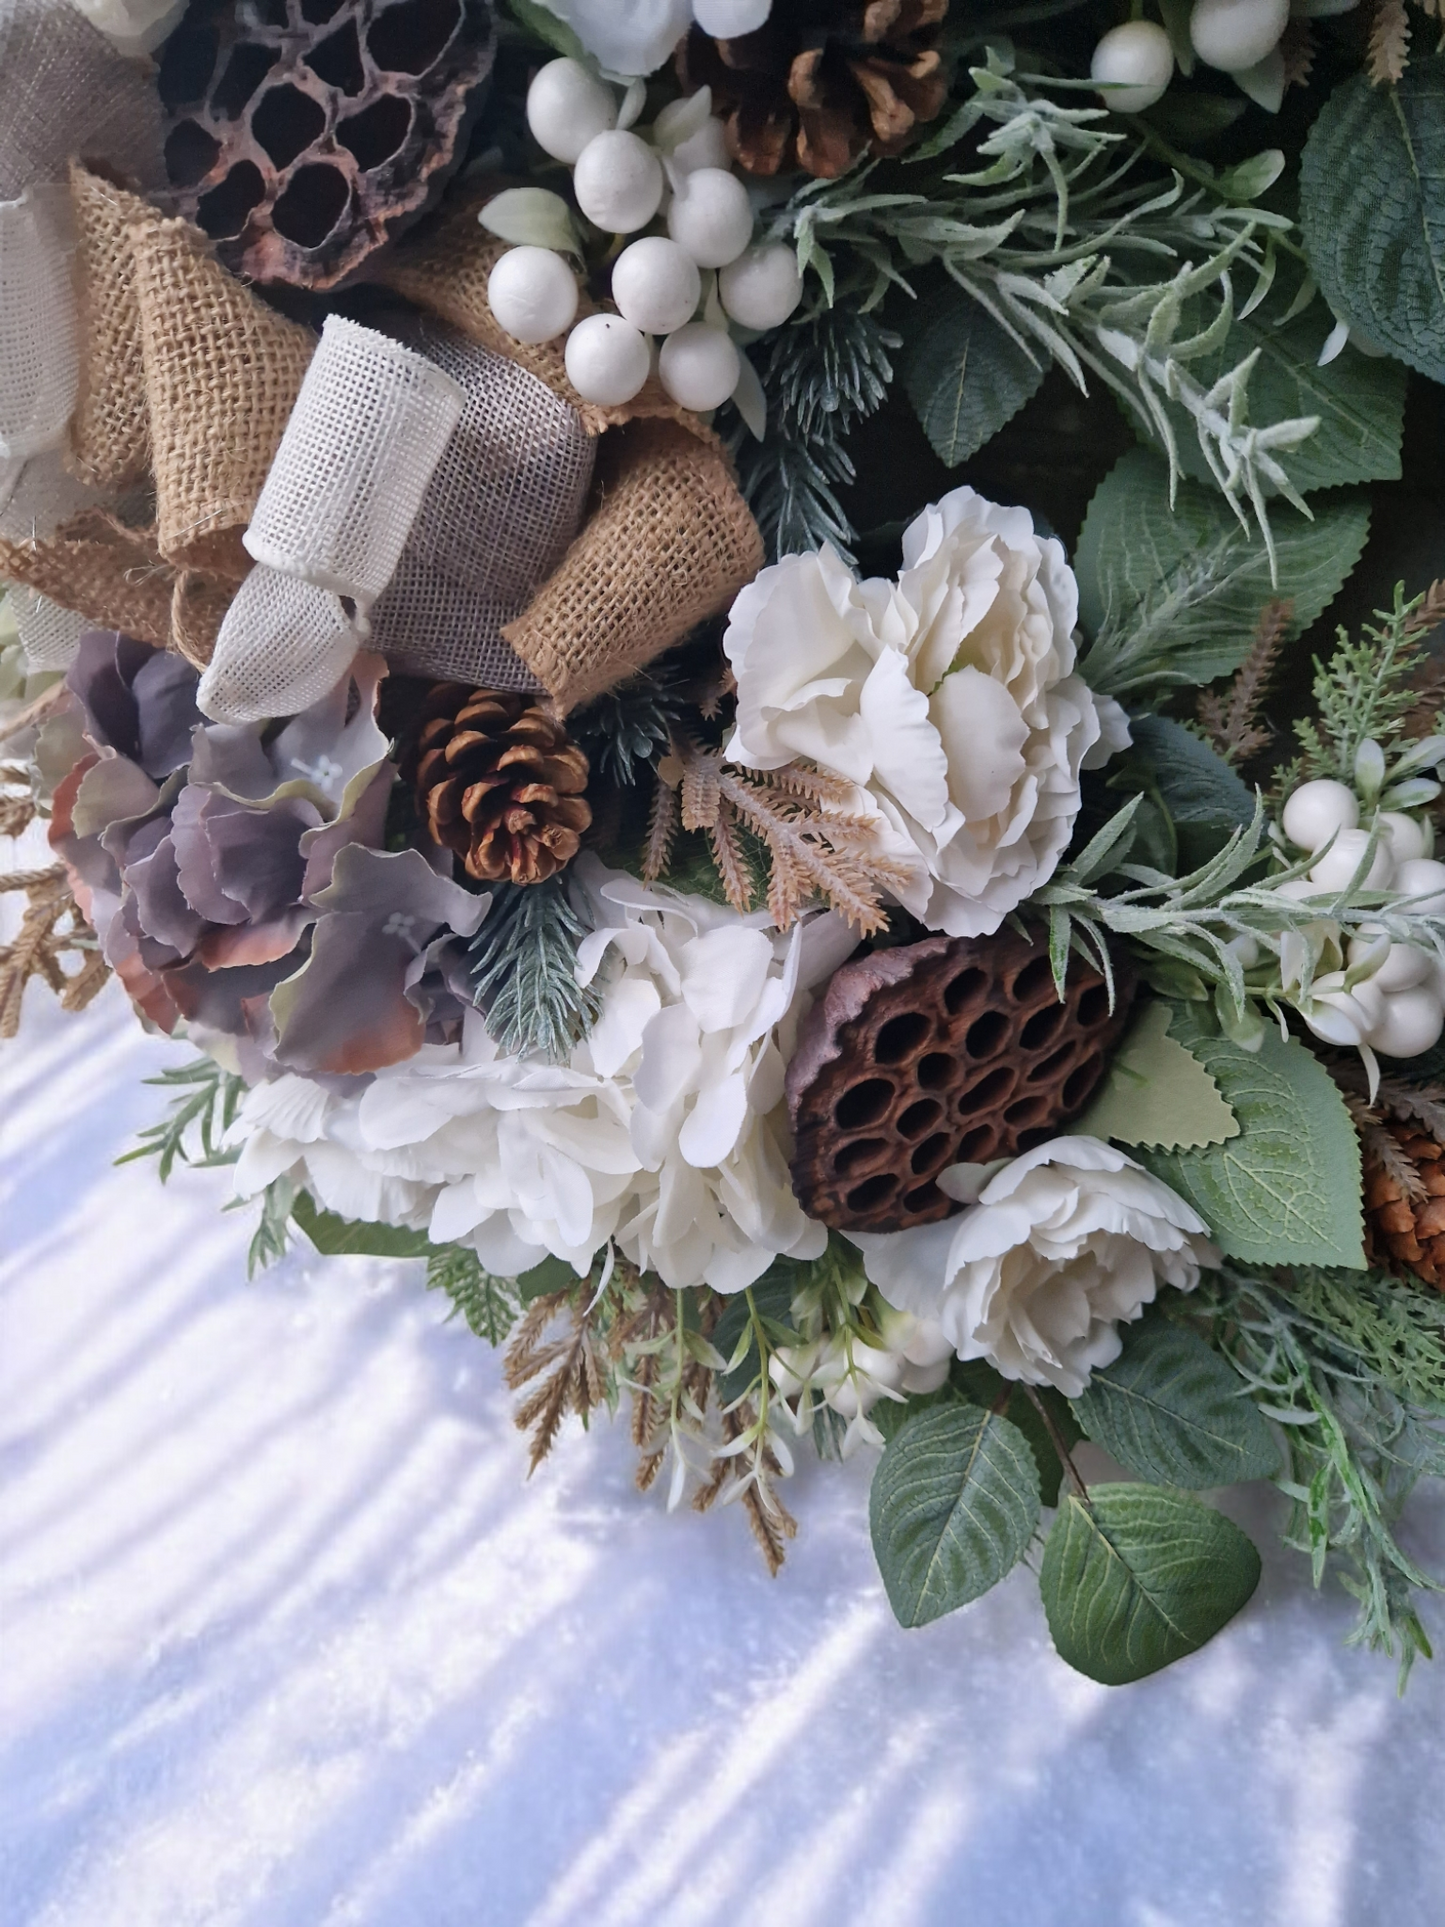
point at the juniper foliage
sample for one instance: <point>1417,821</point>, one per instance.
<point>523,970</point>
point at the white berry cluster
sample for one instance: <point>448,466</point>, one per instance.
<point>1390,996</point>
<point>1134,63</point>
<point>679,179</point>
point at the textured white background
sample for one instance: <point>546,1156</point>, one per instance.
<point>289,1640</point>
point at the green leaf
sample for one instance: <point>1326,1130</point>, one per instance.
<point>1135,1578</point>
<point>338,1237</point>
<point>1157,1093</point>
<point>965,376</point>
<point>772,1301</point>
<point>544,25</point>
<point>954,1503</point>
<point>1204,797</point>
<point>1373,214</point>
<point>1286,1190</point>
<point>553,1274</point>
<point>1173,596</point>
<point>1359,399</point>
<point>977,1381</point>
<point>1171,1410</point>
<point>531,217</point>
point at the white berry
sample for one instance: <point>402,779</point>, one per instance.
<point>567,107</point>
<point>762,287</point>
<point>618,182</point>
<point>1315,811</point>
<point>656,285</point>
<point>1235,34</point>
<point>533,294</point>
<point>607,360</point>
<point>711,216</point>
<point>1404,965</point>
<point>1422,876</point>
<point>699,366</point>
<point>1336,868</point>
<point>1407,835</point>
<point>1410,1024</point>
<point>1133,65</point>
<point>728,19</point>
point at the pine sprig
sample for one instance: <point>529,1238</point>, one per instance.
<point>201,1113</point>
<point>822,376</point>
<point>489,1305</point>
<point>524,971</point>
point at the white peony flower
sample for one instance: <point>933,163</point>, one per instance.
<point>665,1133</point>
<point>949,697</point>
<point>638,36</point>
<point>1064,1243</point>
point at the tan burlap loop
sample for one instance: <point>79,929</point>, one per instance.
<point>110,430</point>
<point>198,608</point>
<point>670,543</point>
<point>95,565</point>
<point>446,273</point>
<point>222,375</point>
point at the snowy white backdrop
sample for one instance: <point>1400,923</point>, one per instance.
<point>289,1640</point>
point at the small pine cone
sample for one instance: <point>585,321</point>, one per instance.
<point>498,782</point>
<point>820,84</point>
<point>1402,1231</point>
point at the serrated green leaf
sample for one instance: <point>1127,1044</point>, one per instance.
<point>1287,1189</point>
<point>1155,1092</point>
<point>541,22</point>
<point>975,1380</point>
<point>1136,1578</point>
<point>1204,797</point>
<point>1173,596</point>
<point>1373,214</point>
<point>1171,1410</point>
<point>1359,399</point>
<point>965,376</point>
<point>336,1237</point>
<point>954,1503</point>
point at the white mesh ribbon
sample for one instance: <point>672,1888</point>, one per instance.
<point>65,90</point>
<point>49,635</point>
<point>37,496</point>
<point>39,352</point>
<point>367,431</point>
<point>505,501</point>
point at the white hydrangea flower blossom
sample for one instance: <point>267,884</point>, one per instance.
<point>949,697</point>
<point>664,1133</point>
<point>850,1376</point>
<point>1065,1243</point>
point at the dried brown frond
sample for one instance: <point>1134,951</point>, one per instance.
<point>1297,47</point>
<point>1414,1104</point>
<point>700,795</point>
<point>1232,719</point>
<point>710,696</point>
<point>662,824</point>
<point>1382,1146</point>
<point>771,1523</point>
<point>729,859</point>
<point>52,929</point>
<point>1389,52</point>
<point>571,1370</point>
<point>837,855</point>
<point>798,779</point>
<point>1431,612</point>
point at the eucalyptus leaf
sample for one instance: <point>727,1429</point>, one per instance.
<point>1286,1190</point>
<point>531,217</point>
<point>965,376</point>
<point>1155,1092</point>
<point>1173,596</point>
<point>335,1237</point>
<point>1134,1578</point>
<point>954,1503</point>
<point>1171,1410</point>
<point>1372,211</point>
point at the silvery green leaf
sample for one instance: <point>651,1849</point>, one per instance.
<point>1249,179</point>
<point>531,217</point>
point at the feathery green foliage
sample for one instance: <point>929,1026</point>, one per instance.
<point>1366,689</point>
<point>625,730</point>
<point>489,1305</point>
<point>200,1115</point>
<point>524,971</point>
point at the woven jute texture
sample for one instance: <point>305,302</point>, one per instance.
<point>503,505</point>
<point>222,374</point>
<point>110,429</point>
<point>670,543</point>
<point>446,273</point>
<point>198,608</point>
<point>64,90</point>
<point>101,569</point>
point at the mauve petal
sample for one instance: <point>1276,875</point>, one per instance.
<point>400,893</point>
<point>165,698</point>
<point>193,859</point>
<point>219,1000</point>
<point>366,824</point>
<point>161,909</point>
<point>230,756</point>
<point>256,854</point>
<point>346,1009</point>
<point>105,665</point>
<point>254,943</point>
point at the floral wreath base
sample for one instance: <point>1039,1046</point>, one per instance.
<point>937,1012</point>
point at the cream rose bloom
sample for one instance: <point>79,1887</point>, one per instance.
<point>948,696</point>
<point>1064,1244</point>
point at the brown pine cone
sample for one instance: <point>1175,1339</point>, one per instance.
<point>821,82</point>
<point>1404,1230</point>
<point>498,782</point>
